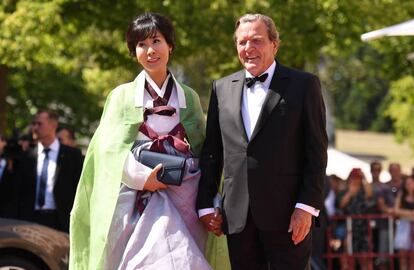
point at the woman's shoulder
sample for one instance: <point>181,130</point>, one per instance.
<point>188,90</point>
<point>191,96</point>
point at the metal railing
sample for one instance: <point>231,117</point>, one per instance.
<point>340,248</point>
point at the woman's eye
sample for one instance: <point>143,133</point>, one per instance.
<point>157,40</point>
<point>140,44</point>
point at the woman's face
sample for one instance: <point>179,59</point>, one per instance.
<point>409,184</point>
<point>153,53</point>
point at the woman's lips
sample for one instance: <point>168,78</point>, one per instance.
<point>153,60</point>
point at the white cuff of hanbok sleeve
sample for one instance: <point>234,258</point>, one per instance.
<point>135,174</point>
<point>205,211</point>
<point>312,210</point>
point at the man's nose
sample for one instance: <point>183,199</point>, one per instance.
<point>249,46</point>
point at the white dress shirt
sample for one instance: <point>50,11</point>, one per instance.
<point>252,103</point>
<point>253,99</point>
<point>135,174</point>
<point>51,171</point>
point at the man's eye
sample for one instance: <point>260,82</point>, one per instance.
<point>242,42</point>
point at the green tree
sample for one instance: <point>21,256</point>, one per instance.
<point>358,74</point>
<point>68,54</point>
<point>401,108</point>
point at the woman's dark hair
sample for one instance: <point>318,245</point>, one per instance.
<point>145,26</point>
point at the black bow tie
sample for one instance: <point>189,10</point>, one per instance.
<point>250,81</point>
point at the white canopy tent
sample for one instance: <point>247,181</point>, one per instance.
<point>341,164</point>
<point>401,29</point>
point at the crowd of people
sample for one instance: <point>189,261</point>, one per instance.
<point>254,170</point>
<point>370,205</point>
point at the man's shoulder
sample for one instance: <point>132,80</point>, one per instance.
<point>293,72</point>
<point>69,150</point>
<point>234,76</point>
<point>28,155</point>
<point>281,69</point>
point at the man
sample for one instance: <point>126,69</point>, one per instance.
<point>50,173</point>
<point>269,138</point>
<point>396,178</point>
<point>3,163</point>
<point>66,136</point>
<point>384,202</point>
<point>6,182</point>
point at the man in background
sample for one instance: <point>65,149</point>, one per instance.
<point>49,176</point>
<point>384,202</point>
<point>9,158</point>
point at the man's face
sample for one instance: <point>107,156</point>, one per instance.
<point>43,127</point>
<point>395,171</point>
<point>376,171</point>
<point>256,51</point>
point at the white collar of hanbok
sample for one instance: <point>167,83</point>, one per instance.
<point>139,93</point>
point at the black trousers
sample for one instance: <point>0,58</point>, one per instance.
<point>254,249</point>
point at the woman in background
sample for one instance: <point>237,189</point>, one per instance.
<point>404,210</point>
<point>357,199</point>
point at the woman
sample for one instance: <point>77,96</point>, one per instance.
<point>123,217</point>
<point>357,199</point>
<point>404,209</point>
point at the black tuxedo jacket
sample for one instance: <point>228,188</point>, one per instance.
<point>283,163</point>
<point>8,200</point>
<point>69,166</point>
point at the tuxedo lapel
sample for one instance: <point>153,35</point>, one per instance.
<point>59,162</point>
<point>237,86</point>
<point>278,85</point>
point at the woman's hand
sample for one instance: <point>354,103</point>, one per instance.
<point>367,188</point>
<point>353,188</point>
<point>152,184</point>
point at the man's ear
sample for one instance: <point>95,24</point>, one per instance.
<point>275,47</point>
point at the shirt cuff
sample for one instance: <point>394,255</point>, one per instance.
<point>312,210</point>
<point>205,211</point>
<point>135,174</point>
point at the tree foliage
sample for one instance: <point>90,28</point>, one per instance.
<point>401,109</point>
<point>68,54</point>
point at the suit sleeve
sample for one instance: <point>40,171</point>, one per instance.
<point>211,159</point>
<point>315,150</point>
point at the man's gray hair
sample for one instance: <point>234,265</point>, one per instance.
<point>270,25</point>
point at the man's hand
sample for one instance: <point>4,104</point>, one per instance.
<point>152,184</point>
<point>300,224</point>
<point>212,222</point>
